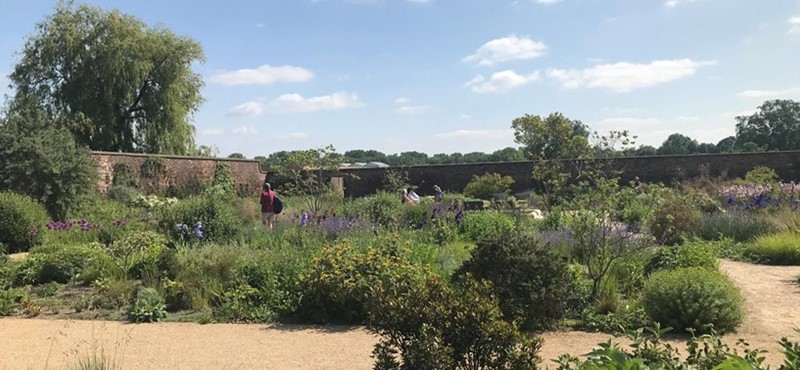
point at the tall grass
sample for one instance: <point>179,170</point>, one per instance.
<point>776,249</point>
<point>740,227</point>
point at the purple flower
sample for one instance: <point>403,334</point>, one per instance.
<point>198,230</point>
<point>304,219</point>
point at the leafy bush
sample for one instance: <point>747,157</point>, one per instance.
<point>674,221</point>
<point>123,175</point>
<point>22,222</point>
<point>222,184</point>
<point>194,186</point>
<point>83,263</point>
<point>692,254</point>
<point>486,186</point>
<point>424,323</point>
<point>217,216</point>
<point>340,280</point>
<point>382,209</point>
<point>39,158</point>
<point>123,193</point>
<point>533,285</point>
<point>477,226</point>
<point>136,252</point>
<point>693,298</point>
<point>147,307</point>
<point>760,175</point>
<point>738,226</point>
<point>776,249</point>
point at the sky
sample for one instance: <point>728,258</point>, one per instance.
<point>443,76</point>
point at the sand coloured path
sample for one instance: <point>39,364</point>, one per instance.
<point>772,309</point>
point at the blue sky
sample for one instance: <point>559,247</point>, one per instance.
<point>445,75</point>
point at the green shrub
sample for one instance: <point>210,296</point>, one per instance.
<point>776,249</point>
<point>697,253</point>
<point>693,298</point>
<point>147,307</point>
<point>39,158</point>
<point>487,186</point>
<point>123,175</point>
<point>415,216</point>
<point>122,193</point>
<point>675,221</point>
<point>425,323</point>
<point>477,226</point>
<point>222,184</point>
<point>136,252</point>
<point>83,263</point>
<point>218,217</point>
<point>340,280</point>
<point>760,176</point>
<point>194,186</point>
<point>22,222</point>
<point>740,227</point>
<point>532,284</point>
<point>383,209</point>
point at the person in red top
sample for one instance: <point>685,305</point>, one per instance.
<point>267,206</point>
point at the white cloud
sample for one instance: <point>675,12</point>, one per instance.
<point>674,3</point>
<point>294,135</point>
<point>247,109</point>
<point>245,130</point>
<point>296,103</point>
<point>500,81</point>
<point>401,100</point>
<point>762,94</point>
<point>413,109</point>
<point>263,75</point>
<point>506,49</point>
<point>212,131</point>
<point>477,134</point>
<point>625,76</point>
<point>794,22</point>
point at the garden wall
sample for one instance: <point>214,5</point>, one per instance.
<point>454,177</point>
<point>179,171</point>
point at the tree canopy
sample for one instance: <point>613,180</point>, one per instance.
<point>774,126</point>
<point>122,85</point>
<point>554,137</point>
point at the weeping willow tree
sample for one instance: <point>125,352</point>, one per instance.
<point>123,85</point>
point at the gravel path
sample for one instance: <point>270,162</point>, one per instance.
<point>772,309</point>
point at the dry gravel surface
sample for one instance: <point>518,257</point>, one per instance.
<point>772,309</point>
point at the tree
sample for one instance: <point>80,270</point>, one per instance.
<point>706,148</point>
<point>122,85</point>
<point>558,146</point>
<point>555,137</point>
<point>236,156</point>
<point>678,144</point>
<point>727,145</point>
<point>308,174</point>
<point>508,154</point>
<point>39,158</point>
<point>775,126</point>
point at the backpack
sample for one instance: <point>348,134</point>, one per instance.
<point>277,205</point>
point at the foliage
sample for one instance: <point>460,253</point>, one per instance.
<point>82,263</point>
<point>308,174</point>
<point>532,284</point>
<point>693,298</point>
<point>649,351</point>
<point>340,280</point>
<point>424,323</point>
<point>395,179</point>
<point>218,217</point>
<point>22,222</point>
<point>153,167</point>
<point>488,185</point>
<point>598,240</point>
<point>696,253</point>
<point>39,158</point>
<point>678,144</point>
<point>193,186</point>
<point>128,86</point>
<point>477,226</point>
<point>123,175</point>
<point>776,249</point>
<point>147,307</point>
<point>774,126</point>
<point>381,209</point>
<point>738,226</point>
<point>126,251</point>
<point>675,221</point>
<point>123,194</point>
<point>760,176</point>
<point>222,184</point>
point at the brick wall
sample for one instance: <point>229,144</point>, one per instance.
<point>179,170</point>
<point>649,169</point>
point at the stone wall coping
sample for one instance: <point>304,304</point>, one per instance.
<point>186,157</point>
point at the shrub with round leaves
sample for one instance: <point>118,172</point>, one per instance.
<point>693,298</point>
<point>21,222</point>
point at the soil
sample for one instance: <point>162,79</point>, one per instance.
<point>772,299</point>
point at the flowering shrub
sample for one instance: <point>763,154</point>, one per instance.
<point>151,202</point>
<point>755,197</point>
